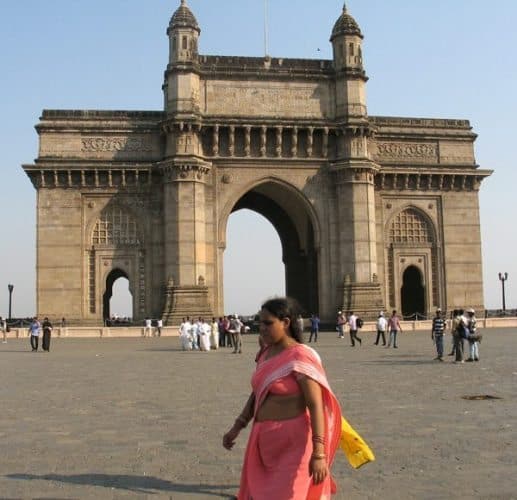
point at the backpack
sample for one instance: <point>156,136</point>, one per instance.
<point>359,323</point>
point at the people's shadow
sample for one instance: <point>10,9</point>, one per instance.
<point>136,484</point>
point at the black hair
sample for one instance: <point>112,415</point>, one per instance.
<point>286,307</point>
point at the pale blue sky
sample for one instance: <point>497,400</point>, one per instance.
<point>441,58</point>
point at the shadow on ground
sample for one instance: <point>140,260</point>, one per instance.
<point>136,484</point>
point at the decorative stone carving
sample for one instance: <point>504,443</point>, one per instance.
<point>111,144</point>
<point>401,150</point>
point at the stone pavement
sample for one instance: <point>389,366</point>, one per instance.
<point>138,418</point>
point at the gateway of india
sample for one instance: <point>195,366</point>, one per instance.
<point>373,212</point>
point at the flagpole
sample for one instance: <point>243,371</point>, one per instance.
<point>266,41</point>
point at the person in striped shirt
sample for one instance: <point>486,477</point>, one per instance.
<point>437,332</point>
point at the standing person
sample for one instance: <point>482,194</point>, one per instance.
<point>215,334</point>
<point>159,326</point>
<point>185,336</point>
<point>437,331</point>
<point>34,331</point>
<point>472,335</point>
<point>220,327</point>
<point>458,328</point>
<point>235,330</point>
<point>394,327</point>
<point>47,331</point>
<point>381,329</point>
<point>3,327</point>
<point>341,322</point>
<point>296,428</point>
<point>148,327</point>
<point>315,327</point>
<point>226,332</point>
<point>352,321</point>
<point>203,331</point>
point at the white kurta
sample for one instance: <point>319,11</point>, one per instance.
<point>215,335</point>
<point>204,332</point>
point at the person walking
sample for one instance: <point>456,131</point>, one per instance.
<point>473,337</point>
<point>215,334</point>
<point>352,322</point>
<point>159,326</point>
<point>34,332</point>
<point>437,331</point>
<point>341,322</point>
<point>3,327</point>
<point>235,329</point>
<point>394,327</point>
<point>301,323</point>
<point>148,327</point>
<point>381,329</point>
<point>315,327</point>
<point>47,332</point>
<point>458,333</point>
<point>296,416</point>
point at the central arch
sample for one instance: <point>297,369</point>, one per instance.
<point>291,214</point>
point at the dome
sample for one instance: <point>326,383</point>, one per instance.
<point>345,25</point>
<point>183,18</point>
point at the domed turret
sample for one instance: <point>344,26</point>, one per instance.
<point>345,25</point>
<point>347,41</point>
<point>183,33</point>
<point>183,18</point>
<point>181,87</point>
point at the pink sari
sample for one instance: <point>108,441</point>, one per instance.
<point>276,463</point>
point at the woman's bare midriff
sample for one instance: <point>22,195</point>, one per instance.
<point>276,407</point>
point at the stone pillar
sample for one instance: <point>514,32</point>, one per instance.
<point>310,141</point>
<point>186,245</point>
<point>231,144</point>
<point>215,141</point>
<point>354,180</point>
<point>263,141</point>
<point>294,144</point>
<point>247,141</point>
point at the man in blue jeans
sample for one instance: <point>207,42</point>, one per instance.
<point>394,328</point>
<point>437,331</point>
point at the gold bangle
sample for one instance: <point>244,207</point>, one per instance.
<point>318,456</point>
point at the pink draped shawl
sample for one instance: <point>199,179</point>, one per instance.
<point>285,475</point>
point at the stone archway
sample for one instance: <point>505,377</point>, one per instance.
<point>412,293</point>
<point>289,213</point>
<point>113,276</point>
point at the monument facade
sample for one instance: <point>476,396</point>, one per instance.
<point>372,212</point>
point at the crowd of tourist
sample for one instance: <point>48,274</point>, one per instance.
<point>225,331</point>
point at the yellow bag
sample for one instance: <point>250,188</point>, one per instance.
<point>356,450</point>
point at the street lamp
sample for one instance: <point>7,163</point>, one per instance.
<point>10,288</point>
<point>503,278</point>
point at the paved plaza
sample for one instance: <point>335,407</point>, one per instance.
<point>138,418</point>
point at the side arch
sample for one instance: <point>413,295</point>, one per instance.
<point>412,241</point>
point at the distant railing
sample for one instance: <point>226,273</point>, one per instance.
<point>499,313</point>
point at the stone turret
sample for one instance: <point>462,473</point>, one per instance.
<point>351,78</point>
<point>181,87</point>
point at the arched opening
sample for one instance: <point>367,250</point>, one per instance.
<point>287,211</point>
<point>117,299</point>
<point>413,293</point>
<point>253,267</point>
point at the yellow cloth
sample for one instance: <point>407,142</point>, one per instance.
<point>356,450</point>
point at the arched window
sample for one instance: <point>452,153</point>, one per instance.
<point>410,227</point>
<point>115,227</point>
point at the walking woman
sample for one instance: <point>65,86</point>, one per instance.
<point>47,332</point>
<point>296,417</point>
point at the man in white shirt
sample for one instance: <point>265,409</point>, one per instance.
<point>352,321</point>
<point>382,323</point>
<point>147,327</point>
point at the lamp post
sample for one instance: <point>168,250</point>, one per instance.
<point>10,288</point>
<point>503,277</point>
